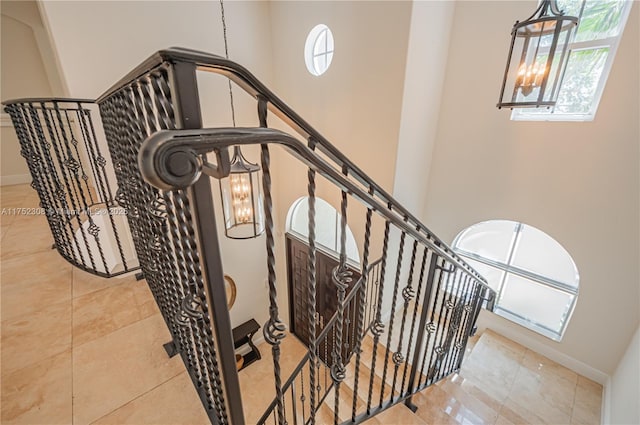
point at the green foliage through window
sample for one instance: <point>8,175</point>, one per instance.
<point>600,26</point>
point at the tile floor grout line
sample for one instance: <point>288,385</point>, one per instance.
<point>573,405</point>
<point>72,347</point>
<point>117,330</point>
<point>26,254</point>
<point>139,396</point>
<point>515,411</point>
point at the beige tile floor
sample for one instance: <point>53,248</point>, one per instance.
<point>80,349</point>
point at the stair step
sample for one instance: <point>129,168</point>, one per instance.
<point>367,347</point>
<point>364,380</point>
<point>345,403</point>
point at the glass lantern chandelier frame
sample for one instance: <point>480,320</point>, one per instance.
<point>241,190</point>
<point>242,199</point>
<point>529,82</point>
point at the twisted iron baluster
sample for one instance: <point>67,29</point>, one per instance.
<point>431,327</point>
<point>462,309</point>
<point>193,287</point>
<point>415,316</point>
<point>437,342</point>
<point>474,304</point>
<point>145,221</point>
<point>361,308</point>
<point>62,167</point>
<point>274,329</point>
<point>457,322</point>
<point>73,165</point>
<point>394,299</point>
<point>88,146</point>
<point>450,320</point>
<point>130,131</point>
<point>100,177</point>
<point>185,332</point>
<point>341,278</point>
<point>74,143</point>
<point>465,307</point>
<point>407,294</point>
<point>311,274</point>
<point>99,155</point>
<point>44,181</point>
<point>378,326</point>
<point>34,127</point>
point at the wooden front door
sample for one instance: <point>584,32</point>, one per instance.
<point>326,297</point>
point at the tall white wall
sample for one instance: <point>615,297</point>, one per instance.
<point>356,104</point>
<point>624,387</point>
<point>424,77</point>
<point>23,75</point>
<point>98,42</point>
<point>577,181</point>
<point>425,69</point>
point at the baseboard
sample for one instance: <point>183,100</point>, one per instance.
<point>555,355</point>
<point>5,120</point>
<point>15,179</point>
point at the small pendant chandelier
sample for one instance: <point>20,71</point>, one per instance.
<point>240,191</point>
<point>537,58</point>
<point>242,199</point>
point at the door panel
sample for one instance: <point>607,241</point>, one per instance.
<point>326,297</point>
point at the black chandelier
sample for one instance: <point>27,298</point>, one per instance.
<point>242,199</point>
<point>537,58</point>
<point>240,190</point>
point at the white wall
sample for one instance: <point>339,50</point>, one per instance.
<point>424,77</point>
<point>624,388</point>
<point>99,42</point>
<point>425,69</point>
<point>22,75</point>
<point>577,182</point>
<point>356,104</point>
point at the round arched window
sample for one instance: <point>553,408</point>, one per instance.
<point>535,278</point>
<point>327,226</point>
<point>318,49</point>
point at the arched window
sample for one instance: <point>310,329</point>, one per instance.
<point>535,278</point>
<point>327,226</point>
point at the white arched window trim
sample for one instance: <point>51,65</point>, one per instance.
<point>327,227</point>
<point>535,278</point>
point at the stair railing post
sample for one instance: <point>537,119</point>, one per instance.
<point>188,116</point>
<point>421,329</point>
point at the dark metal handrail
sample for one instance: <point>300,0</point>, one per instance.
<point>248,82</point>
<point>167,148</point>
<point>171,149</point>
<point>153,123</point>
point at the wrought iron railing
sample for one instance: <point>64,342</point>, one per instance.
<point>293,389</point>
<point>424,298</point>
<point>153,121</point>
<point>70,172</point>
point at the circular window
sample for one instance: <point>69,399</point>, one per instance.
<point>318,49</point>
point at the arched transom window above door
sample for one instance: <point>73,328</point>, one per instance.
<point>327,226</point>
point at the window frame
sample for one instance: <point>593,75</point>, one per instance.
<point>326,51</point>
<point>507,268</point>
<point>612,44</point>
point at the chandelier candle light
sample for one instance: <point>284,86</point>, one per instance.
<point>242,199</point>
<point>537,58</point>
<point>240,191</point>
